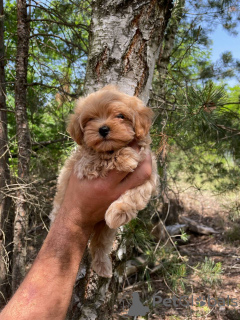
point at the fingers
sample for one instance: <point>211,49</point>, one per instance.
<point>141,174</point>
<point>115,177</point>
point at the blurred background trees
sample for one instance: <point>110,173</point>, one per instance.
<point>44,49</point>
<point>43,60</point>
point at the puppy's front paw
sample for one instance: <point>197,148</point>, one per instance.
<point>118,215</point>
<point>102,266</point>
<point>127,160</point>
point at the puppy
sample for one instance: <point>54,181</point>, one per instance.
<point>103,125</point>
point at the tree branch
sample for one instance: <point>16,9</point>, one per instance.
<point>61,23</point>
<point>52,87</point>
<point>46,143</point>
<point>7,110</point>
<point>228,128</point>
<point>227,103</point>
<point>56,36</point>
<point>38,145</point>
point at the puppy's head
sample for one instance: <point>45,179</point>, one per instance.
<point>108,120</point>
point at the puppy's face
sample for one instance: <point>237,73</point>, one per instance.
<point>109,120</point>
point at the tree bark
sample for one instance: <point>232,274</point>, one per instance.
<point>4,173</point>
<point>24,144</point>
<point>125,40</point>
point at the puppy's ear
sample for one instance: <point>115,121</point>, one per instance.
<point>74,127</point>
<point>143,118</point>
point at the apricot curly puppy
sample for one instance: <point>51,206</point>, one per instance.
<point>103,125</point>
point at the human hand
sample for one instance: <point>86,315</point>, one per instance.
<point>86,201</point>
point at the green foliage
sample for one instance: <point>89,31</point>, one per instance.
<point>184,236</point>
<point>203,137</point>
<point>234,210</point>
<point>202,311</point>
<point>136,235</point>
<point>210,272</point>
<point>175,274</point>
<point>56,69</point>
<point>173,271</point>
<point>195,114</point>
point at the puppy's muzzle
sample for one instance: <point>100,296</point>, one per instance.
<point>104,130</point>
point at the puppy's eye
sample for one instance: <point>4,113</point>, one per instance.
<point>85,121</point>
<point>120,116</point>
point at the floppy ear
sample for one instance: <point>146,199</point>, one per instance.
<point>143,118</point>
<point>74,127</point>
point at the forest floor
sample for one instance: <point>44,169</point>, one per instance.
<point>214,281</point>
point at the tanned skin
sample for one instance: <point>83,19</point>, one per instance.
<point>46,291</point>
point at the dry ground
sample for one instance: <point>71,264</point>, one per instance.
<point>214,211</point>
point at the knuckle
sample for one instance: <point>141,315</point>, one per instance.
<point>147,172</point>
<point>99,187</point>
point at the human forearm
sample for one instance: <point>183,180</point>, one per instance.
<point>50,281</point>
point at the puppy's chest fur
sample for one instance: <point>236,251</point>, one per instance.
<point>91,164</point>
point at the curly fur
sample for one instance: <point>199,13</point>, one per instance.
<point>127,119</point>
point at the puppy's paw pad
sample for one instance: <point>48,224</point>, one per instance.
<point>103,268</point>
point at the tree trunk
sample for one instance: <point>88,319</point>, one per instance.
<point>125,40</point>
<point>24,144</point>
<point>4,173</point>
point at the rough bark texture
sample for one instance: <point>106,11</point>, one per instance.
<point>4,172</point>
<point>24,145</point>
<point>125,40</point>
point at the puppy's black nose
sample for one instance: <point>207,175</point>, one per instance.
<point>104,131</point>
